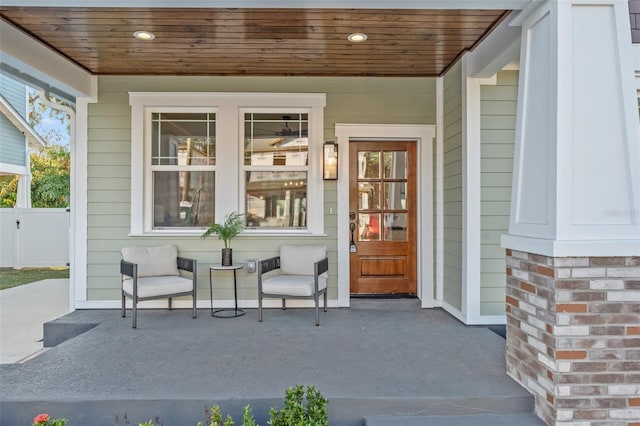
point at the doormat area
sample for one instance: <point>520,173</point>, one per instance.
<point>384,296</point>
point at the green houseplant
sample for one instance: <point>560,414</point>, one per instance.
<point>233,225</point>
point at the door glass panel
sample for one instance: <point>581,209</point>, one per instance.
<point>368,227</point>
<point>395,195</point>
<point>395,227</point>
<point>395,165</point>
<point>369,195</point>
<point>368,165</point>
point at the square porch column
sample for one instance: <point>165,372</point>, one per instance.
<point>573,247</point>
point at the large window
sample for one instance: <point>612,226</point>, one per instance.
<point>197,156</point>
<point>276,148</point>
<point>183,169</point>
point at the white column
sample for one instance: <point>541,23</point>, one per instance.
<point>576,181</point>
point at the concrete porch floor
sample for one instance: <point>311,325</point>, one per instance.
<point>374,361</point>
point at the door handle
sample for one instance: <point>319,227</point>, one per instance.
<point>352,243</point>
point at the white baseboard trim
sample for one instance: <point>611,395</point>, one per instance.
<point>201,304</point>
<point>488,320</point>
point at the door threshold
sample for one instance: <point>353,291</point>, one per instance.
<point>384,296</point>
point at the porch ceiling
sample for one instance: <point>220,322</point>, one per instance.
<point>257,42</point>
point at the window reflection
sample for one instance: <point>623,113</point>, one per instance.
<point>183,199</point>
<point>276,199</point>
<point>272,139</point>
<point>184,139</point>
<point>368,227</point>
<point>368,165</point>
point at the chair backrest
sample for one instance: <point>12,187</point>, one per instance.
<point>299,260</point>
<point>153,261</point>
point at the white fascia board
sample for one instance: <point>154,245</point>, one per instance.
<point>496,51</point>
<point>294,4</point>
<point>33,58</point>
<point>13,169</point>
<point>33,138</point>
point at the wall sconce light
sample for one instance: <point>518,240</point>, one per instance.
<point>330,158</point>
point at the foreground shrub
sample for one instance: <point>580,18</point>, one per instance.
<point>298,411</point>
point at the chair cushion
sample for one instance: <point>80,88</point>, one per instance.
<point>153,261</point>
<point>299,260</point>
<point>292,285</point>
<point>158,286</point>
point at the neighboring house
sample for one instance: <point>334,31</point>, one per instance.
<point>511,172</point>
<point>17,137</point>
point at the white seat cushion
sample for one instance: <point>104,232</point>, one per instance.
<point>153,261</point>
<point>292,285</point>
<point>158,286</point>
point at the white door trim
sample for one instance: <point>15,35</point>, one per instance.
<point>424,136</point>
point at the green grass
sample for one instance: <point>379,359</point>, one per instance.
<point>10,277</point>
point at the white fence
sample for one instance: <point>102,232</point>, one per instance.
<point>34,238</point>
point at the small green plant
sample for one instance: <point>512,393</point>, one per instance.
<point>295,413</point>
<point>233,225</point>
<point>214,418</point>
<point>46,420</point>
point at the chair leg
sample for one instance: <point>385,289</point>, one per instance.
<point>325,300</point>
<point>135,313</point>
<point>170,307</point>
<point>317,300</point>
<point>284,306</point>
<point>194,306</point>
<point>124,312</point>
<point>259,307</point>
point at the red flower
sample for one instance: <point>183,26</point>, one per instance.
<point>41,418</point>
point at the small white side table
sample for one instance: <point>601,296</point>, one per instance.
<point>227,312</point>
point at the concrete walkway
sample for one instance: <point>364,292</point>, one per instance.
<point>379,359</point>
<point>23,311</point>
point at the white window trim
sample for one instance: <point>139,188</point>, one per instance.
<point>229,109</point>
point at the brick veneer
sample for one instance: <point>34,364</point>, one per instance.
<point>573,336</point>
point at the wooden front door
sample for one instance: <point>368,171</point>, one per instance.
<point>382,217</point>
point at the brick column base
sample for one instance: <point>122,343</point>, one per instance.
<point>573,336</point>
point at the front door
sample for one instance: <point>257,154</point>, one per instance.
<point>382,217</point>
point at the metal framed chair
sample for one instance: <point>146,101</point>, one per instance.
<point>154,273</point>
<point>303,275</point>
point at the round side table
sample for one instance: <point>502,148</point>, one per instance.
<point>226,312</point>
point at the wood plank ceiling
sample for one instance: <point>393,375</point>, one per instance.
<point>257,42</point>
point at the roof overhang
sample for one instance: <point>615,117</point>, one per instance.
<point>35,63</point>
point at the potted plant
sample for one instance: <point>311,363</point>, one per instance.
<point>233,225</point>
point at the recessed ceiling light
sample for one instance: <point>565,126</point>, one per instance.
<point>144,35</point>
<point>357,37</point>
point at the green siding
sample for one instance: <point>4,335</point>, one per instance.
<point>349,100</point>
<point>453,187</point>
<point>12,141</point>
<point>498,120</point>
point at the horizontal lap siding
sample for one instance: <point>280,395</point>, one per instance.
<point>498,119</point>
<point>12,148</point>
<point>452,182</point>
<point>357,100</point>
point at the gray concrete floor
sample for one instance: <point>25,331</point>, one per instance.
<point>381,358</point>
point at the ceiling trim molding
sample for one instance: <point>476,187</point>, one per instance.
<point>285,4</point>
